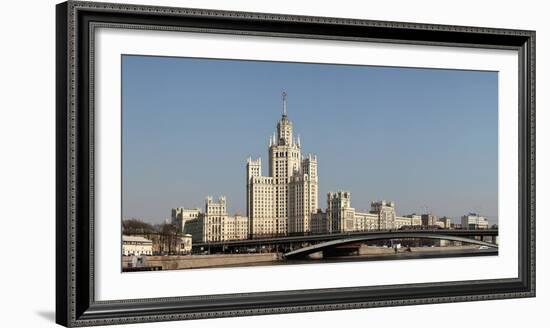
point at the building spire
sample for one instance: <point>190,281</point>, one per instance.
<point>284,104</point>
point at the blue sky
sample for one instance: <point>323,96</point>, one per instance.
<point>419,137</point>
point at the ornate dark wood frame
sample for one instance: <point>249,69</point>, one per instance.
<point>75,302</point>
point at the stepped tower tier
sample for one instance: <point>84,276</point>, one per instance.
<point>290,175</point>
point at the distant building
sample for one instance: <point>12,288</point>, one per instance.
<point>319,222</point>
<point>415,219</point>
<point>408,220</point>
<point>181,215</point>
<point>136,245</point>
<point>341,217</point>
<point>456,226</point>
<point>446,222</point>
<point>429,219</point>
<point>215,224</point>
<point>474,221</point>
<point>196,228</point>
<point>236,227</point>
<point>365,221</point>
<point>340,214</point>
<point>386,214</point>
<point>185,244</point>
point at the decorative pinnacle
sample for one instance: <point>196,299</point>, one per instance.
<point>284,103</point>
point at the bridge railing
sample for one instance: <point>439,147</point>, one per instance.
<point>304,237</point>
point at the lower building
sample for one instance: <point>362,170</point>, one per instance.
<point>341,217</point>
<point>185,244</point>
<point>195,228</point>
<point>407,220</point>
<point>446,222</point>
<point>415,219</point>
<point>235,227</point>
<point>181,215</point>
<point>474,221</point>
<point>365,221</point>
<point>429,220</point>
<point>340,214</point>
<point>456,226</point>
<point>386,214</point>
<point>136,246</point>
<point>319,222</point>
<point>216,225</point>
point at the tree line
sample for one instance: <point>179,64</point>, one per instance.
<point>165,236</point>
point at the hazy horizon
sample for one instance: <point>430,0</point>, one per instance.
<point>424,138</point>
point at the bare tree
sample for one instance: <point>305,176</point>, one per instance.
<point>169,238</point>
<point>137,227</point>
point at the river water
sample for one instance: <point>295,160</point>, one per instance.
<point>385,257</point>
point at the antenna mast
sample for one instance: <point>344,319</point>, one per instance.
<point>284,103</point>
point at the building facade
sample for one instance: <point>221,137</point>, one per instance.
<point>136,245</point>
<point>319,222</point>
<point>445,222</point>
<point>181,215</point>
<point>365,221</point>
<point>341,217</point>
<point>340,214</point>
<point>283,202</point>
<point>185,244</point>
<point>415,219</point>
<point>215,224</point>
<point>408,220</point>
<point>429,219</point>
<point>474,221</point>
<point>386,214</point>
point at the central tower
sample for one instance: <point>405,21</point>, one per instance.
<point>284,161</point>
<point>277,204</point>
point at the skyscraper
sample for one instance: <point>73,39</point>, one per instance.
<point>282,202</point>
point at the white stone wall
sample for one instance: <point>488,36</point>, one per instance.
<point>136,246</point>
<point>216,225</point>
<point>386,214</point>
<point>181,215</point>
<point>186,244</point>
<point>340,212</point>
<point>475,221</point>
<point>366,221</point>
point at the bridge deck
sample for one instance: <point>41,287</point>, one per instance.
<point>326,245</point>
<point>327,237</point>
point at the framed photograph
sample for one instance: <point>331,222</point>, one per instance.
<point>215,163</point>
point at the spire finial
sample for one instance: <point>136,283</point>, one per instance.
<point>284,103</point>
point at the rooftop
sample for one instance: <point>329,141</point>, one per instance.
<point>135,239</point>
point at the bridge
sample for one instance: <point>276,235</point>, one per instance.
<point>299,241</point>
<point>304,251</point>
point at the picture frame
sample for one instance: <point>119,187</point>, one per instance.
<point>76,304</point>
